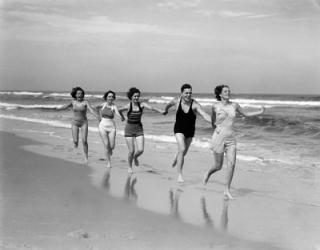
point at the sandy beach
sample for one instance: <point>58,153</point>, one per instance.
<point>51,200</point>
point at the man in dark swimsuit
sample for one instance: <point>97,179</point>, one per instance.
<point>184,127</point>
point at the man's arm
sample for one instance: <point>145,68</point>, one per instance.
<point>169,105</point>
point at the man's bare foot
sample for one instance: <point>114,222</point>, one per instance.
<point>109,164</point>
<point>86,161</point>
<point>227,195</point>
<point>180,179</point>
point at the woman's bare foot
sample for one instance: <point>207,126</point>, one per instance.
<point>180,179</point>
<point>136,161</point>
<point>130,171</point>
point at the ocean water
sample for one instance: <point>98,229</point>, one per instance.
<point>287,136</point>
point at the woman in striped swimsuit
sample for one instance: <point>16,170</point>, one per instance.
<point>107,126</point>
<point>134,130</point>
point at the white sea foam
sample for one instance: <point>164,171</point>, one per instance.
<point>20,93</point>
<point>203,143</point>
<point>26,106</point>
<point>253,103</point>
<point>59,94</point>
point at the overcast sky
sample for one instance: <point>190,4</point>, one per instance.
<point>255,46</point>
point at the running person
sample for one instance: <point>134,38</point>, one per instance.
<point>223,138</point>
<point>107,126</point>
<point>134,130</point>
<point>184,127</point>
<point>79,106</point>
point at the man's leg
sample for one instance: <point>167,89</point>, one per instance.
<point>183,146</point>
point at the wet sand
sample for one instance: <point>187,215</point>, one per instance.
<point>50,200</point>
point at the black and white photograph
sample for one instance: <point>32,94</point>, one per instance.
<point>160,124</point>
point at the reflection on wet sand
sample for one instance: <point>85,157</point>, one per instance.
<point>106,179</point>
<point>174,202</point>
<point>223,218</point>
<point>130,193</point>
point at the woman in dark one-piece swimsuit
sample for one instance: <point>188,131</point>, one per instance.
<point>134,133</point>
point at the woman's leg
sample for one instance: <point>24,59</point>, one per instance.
<point>139,150</point>
<point>112,140</point>
<point>106,144</point>
<point>231,163</point>
<point>217,165</point>
<point>130,145</point>
<point>84,134</point>
<point>75,135</point>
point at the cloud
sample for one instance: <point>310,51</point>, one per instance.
<point>316,4</point>
<point>231,14</point>
<point>43,26</point>
<point>179,4</point>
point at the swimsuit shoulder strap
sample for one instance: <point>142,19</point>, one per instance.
<point>103,106</point>
<point>130,108</point>
<point>140,108</point>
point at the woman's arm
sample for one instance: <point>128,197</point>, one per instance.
<point>64,107</point>
<point>116,111</point>
<point>213,117</point>
<point>152,108</point>
<point>169,105</point>
<point>124,108</point>
<point>93,110</point>
<point>247,114</point>
<point>199,110</point>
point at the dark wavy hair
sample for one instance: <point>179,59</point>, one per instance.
<point>218,90</point>
<point>74,92</point>
<point>185,86</point>
<point>132,91</point>
<point>107,93</point>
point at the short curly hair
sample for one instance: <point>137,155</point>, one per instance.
<point>218,90</point>
<point>132,91</point>
<point>74,92</point>
<point>107,93</point>
<point>185,86</point>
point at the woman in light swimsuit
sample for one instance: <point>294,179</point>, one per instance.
<point>80,121</point>
<point>223,138</point>
<point>107,126</point>
<point>134,130</point>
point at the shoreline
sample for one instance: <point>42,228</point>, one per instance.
<point>150,198</point>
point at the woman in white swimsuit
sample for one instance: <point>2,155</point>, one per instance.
<point>223,138</point>
<point>107,126</point>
